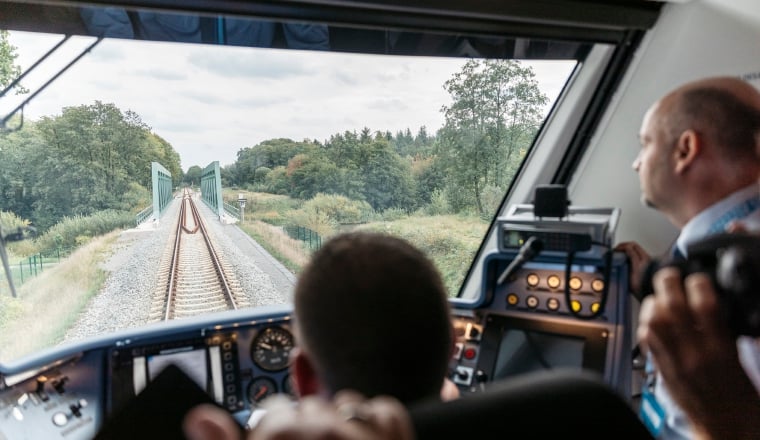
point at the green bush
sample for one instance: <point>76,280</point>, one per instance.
<point>11,221</point>
<point>393,214</point>
<point>316,220</point>
<point>339,209</point>
<point>73,231</point>
<point>439,204</point>
<point>491,197</point>
<point>135,199</point>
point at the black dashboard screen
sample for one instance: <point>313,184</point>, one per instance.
<point>512,346</point>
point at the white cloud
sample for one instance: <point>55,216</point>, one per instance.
<point>210,101</point>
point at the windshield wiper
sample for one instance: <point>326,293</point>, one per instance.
<point>47,83</point>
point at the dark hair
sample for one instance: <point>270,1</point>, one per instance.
<point>373,314</point>
<point>720,116</point>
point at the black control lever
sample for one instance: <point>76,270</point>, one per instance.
<point>529,250</point>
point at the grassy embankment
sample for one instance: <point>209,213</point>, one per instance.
<point>449,240</point>
<point>49,304</point>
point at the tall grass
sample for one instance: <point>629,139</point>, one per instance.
<point>269,208</point>
<point>451,241</point>
<point>48,305</point>
<point>290,252</point>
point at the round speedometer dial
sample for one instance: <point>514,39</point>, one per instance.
<point>270,349</point>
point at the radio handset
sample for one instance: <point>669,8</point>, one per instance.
<point>529,250</point>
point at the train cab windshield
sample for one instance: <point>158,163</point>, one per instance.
<point>415,134</point>
<point>168,170</point>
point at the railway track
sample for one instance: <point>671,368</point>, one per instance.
<point>193,278</point>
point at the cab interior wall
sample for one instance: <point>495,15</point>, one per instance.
<point>690,41</point>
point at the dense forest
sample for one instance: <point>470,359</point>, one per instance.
<point>95,156</point>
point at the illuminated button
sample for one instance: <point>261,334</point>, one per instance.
<point>576,305</point>
<point>552,304</point>
<point>553,281</point>
<point>470,353</point>
<point>575,283</point>
<point>512,299</point>
<point>594,307</point>
<point>532,280</point>
<point>532,302</point>
<point>597,285</point>
<point>60,419</point>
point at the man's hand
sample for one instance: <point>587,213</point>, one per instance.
<point>696,356</point>
<point>349,416</point>
<point>638,259</point>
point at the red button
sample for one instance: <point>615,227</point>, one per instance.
<point>469,353</point>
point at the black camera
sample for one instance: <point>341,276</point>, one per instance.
<point>733,263</point>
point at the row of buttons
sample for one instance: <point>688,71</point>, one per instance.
<point>551,303</point>
<point>554,281</point>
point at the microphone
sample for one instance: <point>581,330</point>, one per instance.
<point>532,247</point>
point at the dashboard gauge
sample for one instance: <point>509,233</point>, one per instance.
<point>260,388</point>
<point>287,386</point>
<point>270,349</point>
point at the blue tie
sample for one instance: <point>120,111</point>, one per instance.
<point>676,254</point>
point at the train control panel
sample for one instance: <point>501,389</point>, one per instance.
<point>548,301</point>
<point>237,357</point>
<point>554,296</point>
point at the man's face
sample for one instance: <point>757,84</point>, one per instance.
<point>653,163</point>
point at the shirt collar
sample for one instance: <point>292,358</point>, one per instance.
<point>699,226</point>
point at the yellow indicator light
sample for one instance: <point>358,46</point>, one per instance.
<point>512,299</point>
<point>576,305</point>
<point>532,280</point>
<point>575,283</point>
<point>597,285</point>
<point>594,307</point>
<point>553,281</point>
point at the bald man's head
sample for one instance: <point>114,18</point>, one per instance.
<point>724,110</point>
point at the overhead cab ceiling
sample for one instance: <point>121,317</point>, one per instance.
<point>579,20</point>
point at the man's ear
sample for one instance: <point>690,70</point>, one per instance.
<point>688,147</point>
<point>303,374</point>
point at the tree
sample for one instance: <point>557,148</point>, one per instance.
<point>9,71</point>
<point>388,181</point>
<point>271,153</point>
<point>193,176</point>
<point>18,150</point>
<point>495,113</point>
<point>96,157</point>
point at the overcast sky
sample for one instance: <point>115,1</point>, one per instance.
<point>211,101</point>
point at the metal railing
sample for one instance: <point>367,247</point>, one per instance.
<point>310,238</point>
<point>143,215</point>
<point>32,266</point>
<point>232,210</point>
